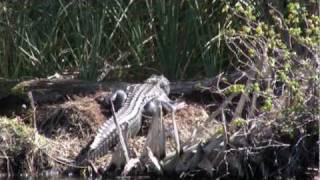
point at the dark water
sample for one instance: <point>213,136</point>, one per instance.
<point>53,174</point>
<point>54,177</point>
<point>41,178</point>
<point>73,178</point>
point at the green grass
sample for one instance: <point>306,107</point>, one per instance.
<point>179,39</point>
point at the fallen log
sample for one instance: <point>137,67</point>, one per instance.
<point>45,90</point>
<point>5,87</point>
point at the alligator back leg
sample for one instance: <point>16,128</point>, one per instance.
<point>118,98</point>
<point>156,137</point>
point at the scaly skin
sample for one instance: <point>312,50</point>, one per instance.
<point>129,117</point>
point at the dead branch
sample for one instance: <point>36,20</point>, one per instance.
<point>122,141</point>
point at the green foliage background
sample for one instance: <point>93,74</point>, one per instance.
<point>121,38</point>
<point>179,39</point>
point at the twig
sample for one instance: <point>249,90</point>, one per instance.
<point>62,160</point>
<point>34,108</point>
<point>122,141</point>
<point>9,168</point>
<point>222,106</point>
<point>253,106</point>
<point>241,102</point>
<point>155,161</point>
<point>176,133</point>
<point>225,128</point>
<point>129,166</point>
<point>162,143</point>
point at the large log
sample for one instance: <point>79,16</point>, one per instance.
<point>45,90</point>
<point>5,87</point>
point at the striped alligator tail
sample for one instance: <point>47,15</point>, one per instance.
<point>105,140</point>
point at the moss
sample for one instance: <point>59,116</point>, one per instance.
<point>19,89</point>
<point>14,131</point>
<point>239,122</point>
<point>220,129</point>
<point>23,146</point>
<point>267,106</point>
<point>235,88</point>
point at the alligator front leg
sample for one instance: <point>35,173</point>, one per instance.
<point>156,136</point>
<point>169,105</point>
<point>153,107</point>
<point>172,106</point>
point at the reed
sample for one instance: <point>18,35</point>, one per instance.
<point>118,38</point>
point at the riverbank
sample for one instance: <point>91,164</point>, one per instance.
<point>269,145</point>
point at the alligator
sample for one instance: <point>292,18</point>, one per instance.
<point>130,105</point>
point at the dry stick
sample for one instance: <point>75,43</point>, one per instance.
<point>162,134</point>
<point>241,102</point>
<point>225,128</point>
<point>265,69</point>
<point>222,106</point>
<point>176,133</point>
<point>253,106</point>
<point>129,166</point>
<point>155,161</point>
<point>33,106</point>
<point>122,142</point>
<point>162,149</point>
<point>9,168</point>
<point>34,119</point>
